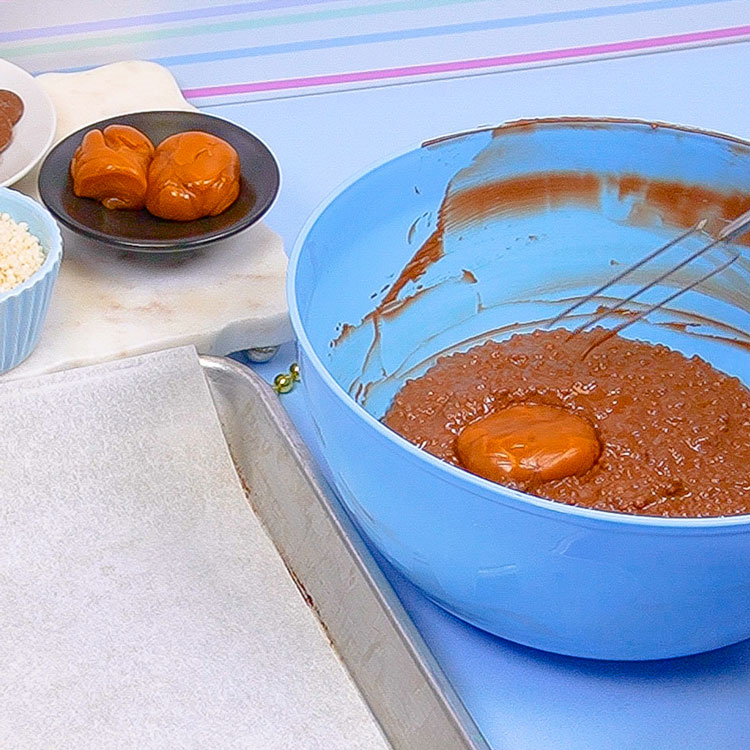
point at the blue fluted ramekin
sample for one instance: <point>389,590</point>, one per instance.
<point>24,308</point>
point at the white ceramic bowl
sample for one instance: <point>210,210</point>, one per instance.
<point>34,132</point>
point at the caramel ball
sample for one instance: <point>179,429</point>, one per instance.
<point>111,166</point>
<point>528,443</point>
<point>193,174</point>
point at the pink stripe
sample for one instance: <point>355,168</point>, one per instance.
<point>477,64</point>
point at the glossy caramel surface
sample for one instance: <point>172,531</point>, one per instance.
<point>528,443</point>
<point>193,174</point>
<point>111,166</point>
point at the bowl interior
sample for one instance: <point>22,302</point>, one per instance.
<point>496,232</point>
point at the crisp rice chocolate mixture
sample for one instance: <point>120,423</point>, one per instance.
<point>674,431</point>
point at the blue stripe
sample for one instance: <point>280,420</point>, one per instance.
<point>153,19</point>
<point>430,31</point>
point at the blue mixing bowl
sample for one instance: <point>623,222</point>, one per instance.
<point>480,235</point>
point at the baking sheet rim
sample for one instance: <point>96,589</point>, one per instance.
<point>438,691</point>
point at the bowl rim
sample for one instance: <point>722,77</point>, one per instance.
<point>484,488</point>
<point>52,254</point>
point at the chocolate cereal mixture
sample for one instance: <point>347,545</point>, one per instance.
<point>674,432</point>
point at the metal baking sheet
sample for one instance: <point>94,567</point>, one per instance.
<point>142,603</point>
<point>369,629</point>
<point>525,699</point>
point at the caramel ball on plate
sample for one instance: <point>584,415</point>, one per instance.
<point>193,174</point>
<point>528,443</point>
<point>111,166</point>
<point>11,105</point>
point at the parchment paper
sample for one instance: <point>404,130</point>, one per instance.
<point>141,603</point>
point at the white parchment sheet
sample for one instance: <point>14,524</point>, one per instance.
<point>141,603</point>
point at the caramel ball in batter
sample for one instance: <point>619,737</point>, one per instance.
<point>528,443</point>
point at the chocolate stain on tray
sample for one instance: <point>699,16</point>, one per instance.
<point>304,593</point>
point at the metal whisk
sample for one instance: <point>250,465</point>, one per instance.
<point>733,230</point>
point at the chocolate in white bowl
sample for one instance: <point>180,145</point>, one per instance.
<point>33,130</point>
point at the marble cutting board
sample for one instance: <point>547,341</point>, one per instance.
<point>109,304</point>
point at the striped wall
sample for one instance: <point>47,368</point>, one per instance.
<point>239,51</point>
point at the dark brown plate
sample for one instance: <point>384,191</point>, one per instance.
<point>139,231</point>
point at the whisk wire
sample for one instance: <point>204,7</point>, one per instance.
<point>661,277</point>
<point>643,313</point>
<point>642,262</point>
<point>733,230</point>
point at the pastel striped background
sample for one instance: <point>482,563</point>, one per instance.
<point>238,51</point>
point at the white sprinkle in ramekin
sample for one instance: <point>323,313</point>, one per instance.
<point>20,253</point>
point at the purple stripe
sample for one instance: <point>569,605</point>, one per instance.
<point>476,64</point>
<point>153,19</point>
